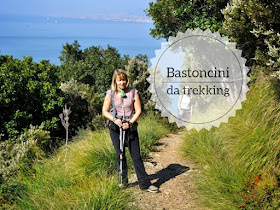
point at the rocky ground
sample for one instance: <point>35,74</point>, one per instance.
<point>172,174</point>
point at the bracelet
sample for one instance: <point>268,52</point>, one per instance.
<point>130,124</point>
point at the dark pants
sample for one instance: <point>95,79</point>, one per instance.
<point>134,149</point>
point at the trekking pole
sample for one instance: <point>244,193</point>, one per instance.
<point>122,136</point>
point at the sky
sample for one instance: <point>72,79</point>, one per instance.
<point>71,8</point>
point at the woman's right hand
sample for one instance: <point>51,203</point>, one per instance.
<point>118,122</point>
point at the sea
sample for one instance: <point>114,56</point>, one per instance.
<point>43,37</point>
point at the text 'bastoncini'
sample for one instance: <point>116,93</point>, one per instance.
<point>215,73</point>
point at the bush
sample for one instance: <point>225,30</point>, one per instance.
<point>21,155</point>
<point>29,95</point>
<point>99,122</point>
<point>254,26</point>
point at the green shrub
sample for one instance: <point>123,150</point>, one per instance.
<point>29,95</point>
<point>21,155</point>
<point>99,122</point>
<point>254,26</point>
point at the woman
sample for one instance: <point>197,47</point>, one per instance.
<point>127,109</point>
<point>185,105</point>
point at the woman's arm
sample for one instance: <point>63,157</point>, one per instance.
<point>191,104</point>
<point>106,111</point>
<point>179,103</point>
<point>106,108</point>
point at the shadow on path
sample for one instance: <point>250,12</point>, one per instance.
<point>168,173</point>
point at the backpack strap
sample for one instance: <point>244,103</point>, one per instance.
<point>133,100</point>
<point>133,95</point>
<point>113,110</point>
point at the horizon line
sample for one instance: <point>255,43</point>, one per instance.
<point>122,18</point>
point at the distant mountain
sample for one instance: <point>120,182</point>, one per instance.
<point>57,19</point>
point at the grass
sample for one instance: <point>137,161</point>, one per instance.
<point>151,128</point>
<point>88,178</point>
<point>80,183</point>
<point>239,161</point>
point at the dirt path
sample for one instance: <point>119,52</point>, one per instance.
<point>172,174</point>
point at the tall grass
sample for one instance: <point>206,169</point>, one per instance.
<point>88,178</point>
<point>240,160</point>
<point>80,183</point>
<point>150,129</point>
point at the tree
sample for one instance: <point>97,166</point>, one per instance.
<point>171,16</point>
<point>255,27</point>
<point>93,65</point>
<point>29,95</point>
<point>137,69</point>
<point>71,53</point>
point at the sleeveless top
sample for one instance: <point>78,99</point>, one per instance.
<point>185,102</point>
<point>127,103</point>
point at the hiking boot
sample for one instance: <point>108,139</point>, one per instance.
<point>153,189</point>
<point>124,182</point>
<point>122,186</point>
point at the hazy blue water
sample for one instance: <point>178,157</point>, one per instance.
<point>43,38</point>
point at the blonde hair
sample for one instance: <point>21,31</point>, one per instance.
<point>123,75</point>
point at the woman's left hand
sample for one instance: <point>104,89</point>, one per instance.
<point>125,126</point>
